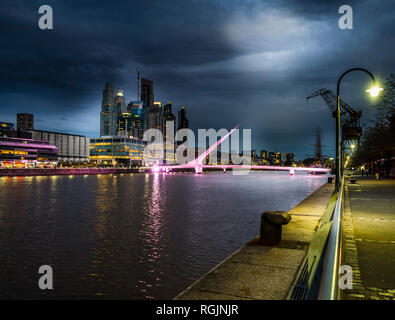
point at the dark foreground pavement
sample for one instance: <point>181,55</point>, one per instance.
<point>370,238</point>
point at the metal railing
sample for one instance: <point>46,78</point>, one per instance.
<point>329,288</point>
<point>318,277</point>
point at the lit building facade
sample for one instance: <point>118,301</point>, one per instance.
<point>26,153</point>
<point>117,151</point>
<point>6,129</point>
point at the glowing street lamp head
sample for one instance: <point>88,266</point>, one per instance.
<point>352,146</point>
<point>374,91</point>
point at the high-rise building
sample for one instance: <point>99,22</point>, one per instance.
<point>25,122</point>
<point>147,95</point>
<point>169,124</point>
<point>147,92</point>
<point>158,118</point>
<point>137,110</point>
<point>183,122</point>
<point>168,116</point>
<point>119,109</point>
<point>154,112</point>
<point>107,110</point>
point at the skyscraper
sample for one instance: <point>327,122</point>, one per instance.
<point>119,108</point>
<point>147,95</point>
<point>106,110</point>
<point>169,124</point>
<point>147,92</point>
<point>168,114</point>
<point>137,110</point>
<point>183,122</point>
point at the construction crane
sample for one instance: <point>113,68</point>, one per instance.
<point>349,118</point>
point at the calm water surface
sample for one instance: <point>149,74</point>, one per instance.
<point>131,236</point>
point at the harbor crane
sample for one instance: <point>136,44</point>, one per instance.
<point>351,128</point>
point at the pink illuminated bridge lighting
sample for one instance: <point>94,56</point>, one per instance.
<point>198,165</point>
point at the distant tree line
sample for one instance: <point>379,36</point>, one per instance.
<point>377,146</point>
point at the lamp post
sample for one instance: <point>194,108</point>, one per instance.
<point>374,92</point>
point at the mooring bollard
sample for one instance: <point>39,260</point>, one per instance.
<point>330,179</point>
<point>271,226</point>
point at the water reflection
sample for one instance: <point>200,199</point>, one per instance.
<point>153,233</point>
<point>135,236</point>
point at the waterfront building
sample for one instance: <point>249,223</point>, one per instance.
<point>106,110</point>
<point>26,153</point>
<point>25,122</point>
<point>117,151</point>
<point>6,129</point>
<point>72,147</point>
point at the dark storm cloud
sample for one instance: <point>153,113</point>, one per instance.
<point>230,61</point>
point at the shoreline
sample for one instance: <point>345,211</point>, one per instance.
<point>64,171</point>
<point>262,272</point>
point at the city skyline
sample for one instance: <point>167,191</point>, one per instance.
<point>214,58</point>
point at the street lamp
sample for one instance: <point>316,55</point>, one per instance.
<point>374,92</point>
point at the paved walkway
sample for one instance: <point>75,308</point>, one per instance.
<point>263,272</point>
<point>369,233</point>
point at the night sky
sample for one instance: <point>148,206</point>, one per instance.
<point>226,61</point>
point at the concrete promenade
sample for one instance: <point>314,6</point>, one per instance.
<point>369,238</point>
<point>262,272</point>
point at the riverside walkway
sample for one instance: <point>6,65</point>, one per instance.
<point>369,238</point>
<point>263,272</point>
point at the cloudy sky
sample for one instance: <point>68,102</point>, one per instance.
<point>227,61</point>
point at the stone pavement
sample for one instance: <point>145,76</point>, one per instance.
<point>369,238</point>
<point>262,272</point>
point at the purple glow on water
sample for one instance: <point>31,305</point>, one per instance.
<point>135,236</point>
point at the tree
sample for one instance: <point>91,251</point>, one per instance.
<point>377,147</point>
